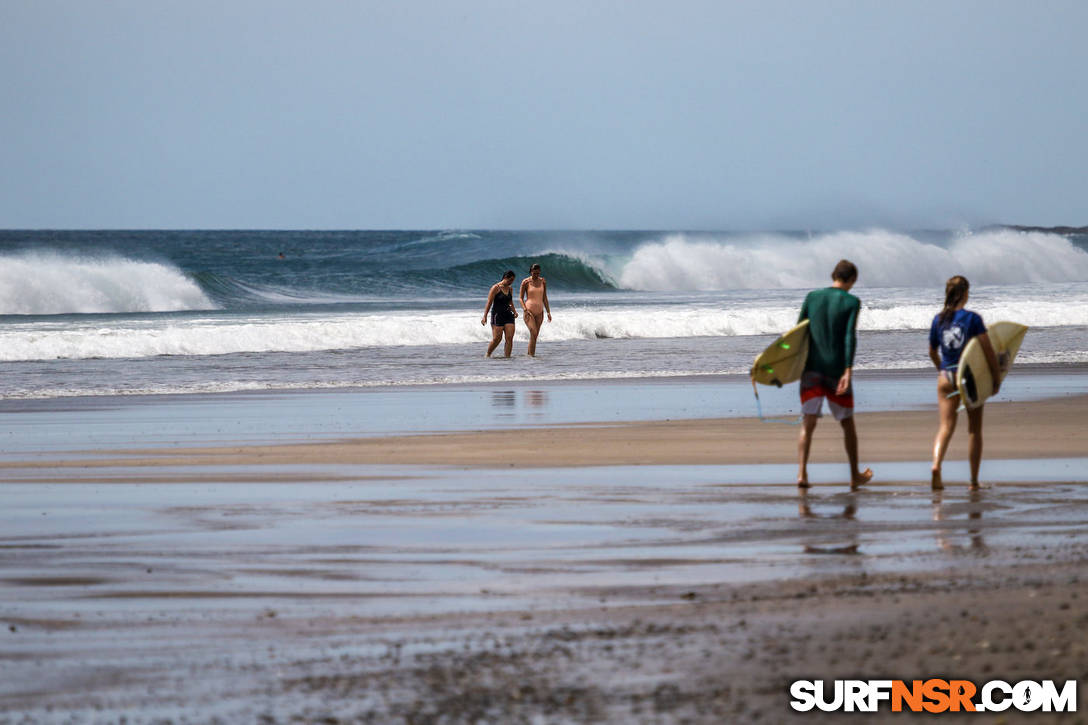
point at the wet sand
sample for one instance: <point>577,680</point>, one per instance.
<point>699,654</point>
<point>662,571</point>
<point>1051,428</point>
<point>615,594</point>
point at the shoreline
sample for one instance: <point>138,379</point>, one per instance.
<point>670,421</point>
<point>1050,428</point>
<point>113,399</point>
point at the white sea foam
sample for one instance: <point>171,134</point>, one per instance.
<point>211,387</point>
<point>212,335</point>
<point>48,283</point>
<point>101,387</point>
<point>884,258</point>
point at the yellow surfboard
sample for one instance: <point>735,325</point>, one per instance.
<point>783,360</point>
<point>973,379</point>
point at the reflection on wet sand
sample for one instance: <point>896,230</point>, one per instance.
<point>848,514</point>
<point>946,535</point>
<point>534,402</point>
<point>505,401</point>
<point>537,400</point>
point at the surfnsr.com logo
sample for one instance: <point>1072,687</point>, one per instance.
<point>933,696</point>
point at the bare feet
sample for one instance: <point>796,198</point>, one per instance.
<point>802,482</point>
<point>862,478</point>
<point>935,479</point>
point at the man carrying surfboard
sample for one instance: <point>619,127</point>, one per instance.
<point>832,313</point>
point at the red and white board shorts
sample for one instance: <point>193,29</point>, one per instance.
<point>817,386</point>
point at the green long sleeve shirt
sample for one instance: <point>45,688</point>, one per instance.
<point>833,318</point>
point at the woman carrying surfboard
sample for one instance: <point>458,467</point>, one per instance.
<point>952,329</point>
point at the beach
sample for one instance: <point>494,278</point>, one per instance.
<point>567,554</point>
<point>259,464</point>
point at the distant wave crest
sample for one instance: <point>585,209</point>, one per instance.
<point>884,258</point>
<point>562,270</point>
<point>565,272</point>
<point>49,283</point>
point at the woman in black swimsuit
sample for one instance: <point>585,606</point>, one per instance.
<point>500,301</point>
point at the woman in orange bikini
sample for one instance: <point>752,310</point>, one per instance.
<point>534,301</point>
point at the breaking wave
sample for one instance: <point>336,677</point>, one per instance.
<point>50,283</point>
<point>884,259</point>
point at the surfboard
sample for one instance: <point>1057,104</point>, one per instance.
<point>973,379</point>
<point>783,360</point>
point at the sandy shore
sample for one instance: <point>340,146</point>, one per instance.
<point>1052,428</point>
<point>693,655</point>
<point>608,580</point>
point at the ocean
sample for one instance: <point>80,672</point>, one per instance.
<point>92,313</point>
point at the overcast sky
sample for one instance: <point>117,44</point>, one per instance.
<point>557,113</point>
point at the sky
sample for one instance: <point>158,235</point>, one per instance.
<point>595,114</point>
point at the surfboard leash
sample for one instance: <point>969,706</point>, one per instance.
<point>759,410</point>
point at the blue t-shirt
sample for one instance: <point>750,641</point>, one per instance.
<point>952,336</point>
